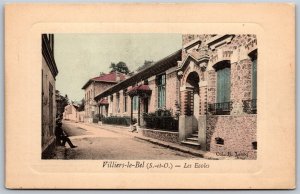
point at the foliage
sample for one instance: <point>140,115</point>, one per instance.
<point>161,119</point>
<point>114,120</point>
<point>81,105</point>
<point>61,102</point>
<point>120,67</point>
<point>146,65</point>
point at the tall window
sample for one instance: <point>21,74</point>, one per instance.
<point>125,101</point>
<point>161,88</point>
<point>118,103</point>
<point>135,102</point>
<point>223,84</point>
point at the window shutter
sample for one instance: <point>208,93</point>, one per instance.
<point>223,85</point>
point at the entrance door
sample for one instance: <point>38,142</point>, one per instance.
<point>193,82</point>
<point>145,105</point>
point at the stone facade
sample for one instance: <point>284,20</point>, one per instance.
<point>171,87</point>
<point>195,88</point>
<point>162,135</point>
<point>205,55</point>
<point>95,86</point>
<point>48,102</point>
<point>71,113</point>
<point>92,90</point>
<point>238,133</point>
<point>172,96</point>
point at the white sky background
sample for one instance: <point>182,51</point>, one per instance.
<point>80,57</point>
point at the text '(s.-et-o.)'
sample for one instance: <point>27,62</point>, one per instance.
<point>153,165</point>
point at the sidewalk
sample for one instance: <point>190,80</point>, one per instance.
<point>126,131</point>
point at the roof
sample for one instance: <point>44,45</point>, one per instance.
<point>157,68</point>
<point>48,55</point>
<point>110,78</point>
<point>139,89</point>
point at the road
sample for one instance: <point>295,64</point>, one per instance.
<point>96,142</point>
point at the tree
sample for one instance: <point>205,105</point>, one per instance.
<point>81,105</point>
<point>120,67</point>
<point>146,65</point>
<point>61,102</point>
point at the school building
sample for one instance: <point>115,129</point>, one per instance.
<point>204,94</point>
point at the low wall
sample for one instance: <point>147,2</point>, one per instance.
<point>238,133</point>
<point>162,135</point>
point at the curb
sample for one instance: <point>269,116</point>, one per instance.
<point>191,151</point>
<point>171,146</point>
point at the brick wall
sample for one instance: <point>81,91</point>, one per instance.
<point>238,133</point>
<point>171,91</point>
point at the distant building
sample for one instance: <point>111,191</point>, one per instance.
<point>71,113</point>
<point>95,86</point>
<point>49,72</point>
<point>210,83</point>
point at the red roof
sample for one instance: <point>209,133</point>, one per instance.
<point>110,77</point>
<point>139,89</point>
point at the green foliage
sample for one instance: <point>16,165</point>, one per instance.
<point>161,119</point>
<point>120,67</point>
<point>114,120</point>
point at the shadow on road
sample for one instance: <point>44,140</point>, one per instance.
<point>74,131</point>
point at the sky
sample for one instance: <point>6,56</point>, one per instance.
<point>80,57</point>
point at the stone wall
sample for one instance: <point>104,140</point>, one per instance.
<point>171,95</point>
<point>162,135</point>
<point>241,84</point>
<point>211,86</point>
<point>238,133</point>
<point>101,87</point>
<point>203,99</point>
<point>91,91</point>
<point>153,97</point>
<point>48,121</point>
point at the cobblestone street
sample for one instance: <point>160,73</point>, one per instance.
<point>97,142</point>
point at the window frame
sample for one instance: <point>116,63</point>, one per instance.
<point>161,90</point>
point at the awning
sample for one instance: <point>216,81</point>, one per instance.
<point>103,102</point>
<point>139,90</point>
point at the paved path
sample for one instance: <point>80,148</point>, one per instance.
<point>96,142</point>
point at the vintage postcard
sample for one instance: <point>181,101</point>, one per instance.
<point>152,96</point>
